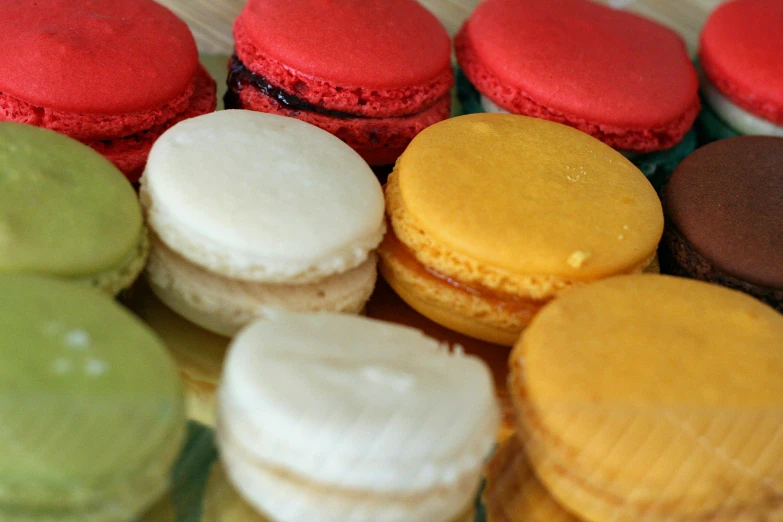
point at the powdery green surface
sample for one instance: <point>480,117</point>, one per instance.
<point>91,405</point>
<point>64,209</point>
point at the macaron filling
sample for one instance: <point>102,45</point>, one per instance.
<point>379,139</point>
<point>739,119</point>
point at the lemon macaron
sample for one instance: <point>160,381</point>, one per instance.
<point>493,215</point>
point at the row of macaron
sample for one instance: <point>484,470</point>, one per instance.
<point>484,219</point>
<point>334,417</point>
<point>375,73</point>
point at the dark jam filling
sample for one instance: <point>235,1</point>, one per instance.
<point>240,76</point>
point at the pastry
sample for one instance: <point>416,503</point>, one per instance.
<point>513,493</point>
<point>742,70</point>
<point>252,211</point>
<point>624,79</point>
<point>493,215</point>
<point>66,211</point>
<point>338,418</point>
<point>724,209</point>
<point>372,72</point>
<point>91,404</point>
<point>652,398</point>
<point>113,75</point>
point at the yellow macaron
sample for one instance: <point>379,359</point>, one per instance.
<point>653,398</point>
<point>513,493</point>
<point>493,215</point>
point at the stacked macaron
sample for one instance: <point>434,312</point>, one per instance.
<point>625,80</point>
<point>645,398</point>
<point>66,211</point>
<point>493,215</point>
<point>742,62</point>
<point>250,211</point>
<point>92,408</point>
<point>113,75</point>
<point>338,418</point>
<point>724,209</point>
<point>372,72</point>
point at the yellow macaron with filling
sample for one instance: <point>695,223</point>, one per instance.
<point>493,215</point>
<point>653,398</point>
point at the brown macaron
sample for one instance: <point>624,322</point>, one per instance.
<point>724,217</point>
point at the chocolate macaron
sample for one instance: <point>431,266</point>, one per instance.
<point>724,208</point>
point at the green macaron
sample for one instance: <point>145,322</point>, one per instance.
<point>91,405</point>
<point>66,211</point>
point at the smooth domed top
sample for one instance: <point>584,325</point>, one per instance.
<point>360,43</point>
<point>94,56</point>
<point>588,60</point>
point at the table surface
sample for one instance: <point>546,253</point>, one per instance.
<point>211,20</point>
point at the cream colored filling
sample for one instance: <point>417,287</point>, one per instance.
<point>738,118</point>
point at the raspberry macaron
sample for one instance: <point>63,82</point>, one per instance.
<point>113,75</point>
<point>621,78</point>
<point>741,58</point>
<point>372,72</point>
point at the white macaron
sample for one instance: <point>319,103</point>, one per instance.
<point>333,417</point>
<point>251,210</point>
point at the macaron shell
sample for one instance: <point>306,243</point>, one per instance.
<point>99,57</point>
<point>261,197</point>
<point>64,209</point>
<point>370,44</point>
<point>640,68</point>
<point>726,199</point>
<point>528,197</point>
<point>741,54</point>
<point>611,442</point>
<point>76,381</point>
<point>225,306</point>
<point>514,494</point>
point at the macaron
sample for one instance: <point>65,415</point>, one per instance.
<point>91,404</point>
<point>113,75</point>
<point>67,212</point>
<point>621,78</point>
<point>651,398</point>
<point>513,493</point>
<point>372,72</point>
<point>742,64</point>
<point>339,418</point>
<point>724,209</point>
<point>250,211</point>
<point>493,215</point>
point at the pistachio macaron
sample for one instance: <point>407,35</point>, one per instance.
<point>66,211</point>
<point>251,211</point>
<point>652,398</point>
<point>339,418</point>
<point>493,215</point>
<point>92,408</point>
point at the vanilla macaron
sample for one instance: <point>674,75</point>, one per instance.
<point>338,418</point>
<point>251,211</point>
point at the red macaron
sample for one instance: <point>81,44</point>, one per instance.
<point>372,72</point>
<point>626,80</point>
<point>113,75</point>
<point>741,53</point>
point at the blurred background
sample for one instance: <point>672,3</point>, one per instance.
<point>210,20</point>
